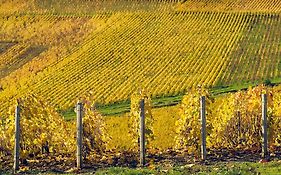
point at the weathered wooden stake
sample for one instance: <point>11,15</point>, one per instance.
<point>264,126</point>
<point>142,133</point>
<point>17,139</point>
<point>79,112</point>
<point>203,126</point>
<point>239,124</point>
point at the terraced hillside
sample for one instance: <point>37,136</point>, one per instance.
<point>113,54</point>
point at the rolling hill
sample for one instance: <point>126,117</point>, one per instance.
<point>65,54</point>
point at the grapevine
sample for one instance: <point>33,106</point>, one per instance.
<point>134,119</point>
<point>188,127</point>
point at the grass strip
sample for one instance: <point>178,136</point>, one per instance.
<point>122,107</point>
<point>225,168</point>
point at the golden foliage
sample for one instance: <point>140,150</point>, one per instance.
<point>42,129</point>
<point>237,120</point>
<point>134,119</point>
<point>95,137</point>
<point>188,127</point>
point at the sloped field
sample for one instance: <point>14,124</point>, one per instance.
<point>231,5</point>
<point>115,53</point>
<point>166,53</point>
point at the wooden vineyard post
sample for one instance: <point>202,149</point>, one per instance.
<point>17,139</point>
<point>239,123</point>
<point>264,126</point>
<point>203,126</point>
<point>142,133</point>
<point>79,113</point>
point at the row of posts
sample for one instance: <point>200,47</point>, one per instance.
<point>79,113</point>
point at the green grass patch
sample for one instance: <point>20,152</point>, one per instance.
<point>122,107</point>
<point>69,114</point>
<point>118,170</point>
<point>221,168</point>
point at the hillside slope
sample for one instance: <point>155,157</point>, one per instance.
<point>115,53</point>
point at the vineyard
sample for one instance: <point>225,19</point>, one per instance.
<point>102,53</point>
<point>45,133</point>
<point>94,6</point>
<point>230,5</point>
<point>116,59</point>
